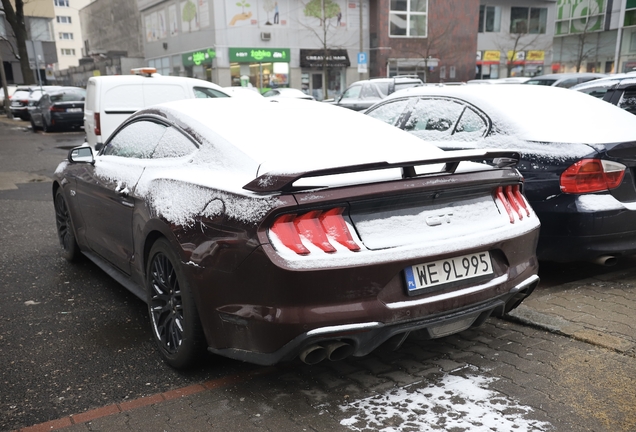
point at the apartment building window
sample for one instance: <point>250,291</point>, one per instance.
<point>3,28</point>
<point>489,19</point>
<point>62,3</point>
<point>408,18</point>
<point>630,13</point>
<point>528,20</point>
<point>68,51</point>
<point>66,35</point>
<point>63,19</point>
<point>580,17</point>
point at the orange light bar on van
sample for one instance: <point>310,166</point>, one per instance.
<point>147,71</point>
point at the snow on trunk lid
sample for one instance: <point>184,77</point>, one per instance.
<point>426,219</point>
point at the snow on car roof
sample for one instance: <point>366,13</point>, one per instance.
<point>295,135</point>
<point>543,114</point>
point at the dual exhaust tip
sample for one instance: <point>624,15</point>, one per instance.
<point>334,351</point>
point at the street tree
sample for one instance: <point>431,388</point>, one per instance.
<point>324,11</point>
<point>516,41</point>
<point>15,18</point>
<point>437,45</point>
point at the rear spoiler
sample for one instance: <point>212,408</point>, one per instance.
<point>274,182</point>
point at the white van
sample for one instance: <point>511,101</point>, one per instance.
<point>112,99</point>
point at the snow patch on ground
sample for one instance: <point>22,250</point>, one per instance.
<point>457,403</point>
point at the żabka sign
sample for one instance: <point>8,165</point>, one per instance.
<point>259,55</point>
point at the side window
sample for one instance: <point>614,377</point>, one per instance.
<point>471,125</point>
<point>597,92</point>
<point>389,112</point>
<point>433,116</point>
<point>369,91</point>
<point>628,100</point>
<point>173,144</point>
<point>568,83</point>
<point>136,140</point>
<point>205,92</point>
<point>352,92</point>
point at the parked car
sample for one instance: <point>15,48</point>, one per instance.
<point>507,80</point>
<point>20,102</point>
<point>62,108</point>
<point>247,92</point>
<point>565,80</point>
<point>619,90</point>
<point>240,246</point>
<point>576,156</point>
<point>362,94</point>
<point>287,93</point>
<point>112,99</point>
<point>26,97</point>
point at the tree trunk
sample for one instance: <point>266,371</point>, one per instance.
<point>18,25</point>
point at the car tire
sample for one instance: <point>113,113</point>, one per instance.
<point>65,232</point>
<point>174,318</point>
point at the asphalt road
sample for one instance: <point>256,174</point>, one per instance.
<point>70,337</point>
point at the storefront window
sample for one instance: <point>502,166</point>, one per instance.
<point>248,69</point>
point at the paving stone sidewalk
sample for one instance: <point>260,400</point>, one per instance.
<point>598,310</point>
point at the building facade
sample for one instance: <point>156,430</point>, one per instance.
<point>67,32</point>
<point>434,39</point>
<point>515,38</point>
<point>40,43</point>
<point>261,43</point>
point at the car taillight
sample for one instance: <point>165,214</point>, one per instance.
<point>512,200</point>
<point>592,175</point>
<point>98,125</point>
<point>318,227</point>
<point>57,109</point>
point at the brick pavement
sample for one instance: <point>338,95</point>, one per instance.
<point>566,354</point>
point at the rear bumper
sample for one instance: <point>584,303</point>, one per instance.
<point>364,337</point>
<point>569,233</point>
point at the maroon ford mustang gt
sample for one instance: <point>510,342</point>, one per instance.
<point>271,230</point>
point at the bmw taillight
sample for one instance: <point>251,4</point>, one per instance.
<point>513,201</point>
<point>592,175</point>
<point>98,125</point>
<point>57,109</point>
<point>319,227</point>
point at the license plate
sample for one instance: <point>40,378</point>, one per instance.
<point>446,271</point>
<point>73,110</point>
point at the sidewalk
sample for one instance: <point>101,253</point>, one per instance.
<point>598,310</point>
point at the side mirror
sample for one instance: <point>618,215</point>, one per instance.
<point>83,154</point>
<point>98,147</point>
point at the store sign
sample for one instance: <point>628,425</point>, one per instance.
<point>260,55</point>
<point>198,57</point>
<point>492,56</point>
<point>333,58</point>
<point>535,56</point>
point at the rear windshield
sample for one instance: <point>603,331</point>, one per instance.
<point>67,97</point>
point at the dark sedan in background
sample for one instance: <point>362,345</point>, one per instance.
<point>619,90</point>
<point>60,108</point>
<point>244,244</point>
<point>578,156</point>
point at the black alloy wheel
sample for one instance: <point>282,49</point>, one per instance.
<point>173,315</point>
<point>65,233</point>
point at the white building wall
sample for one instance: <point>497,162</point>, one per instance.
<point>69,51</point>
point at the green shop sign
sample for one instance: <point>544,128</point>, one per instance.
<point>259,55</point>
<point>198,57</point>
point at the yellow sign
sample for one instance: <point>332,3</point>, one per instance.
<point>96,72</point>
<point>518,55</point>
<point>492,56</point>
<point>536,56</point>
